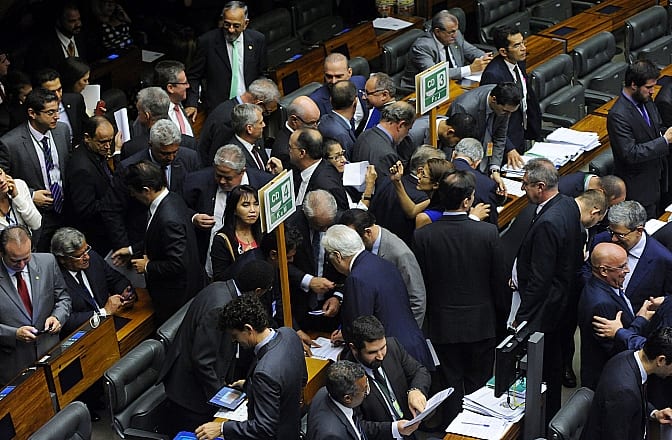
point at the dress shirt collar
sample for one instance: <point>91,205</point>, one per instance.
<point>308,172</point>
<point>157,201</point>
<point>11,272</point>
<point>36,134</point>
<point>541,205</point>
<point>354,257</point>
<point>642,371</point>
<point>246,144</point>
<point>65,41</point>
<point>347,121</point>
<point>348,412</point>
<point>375,249</point>
<point>265,341</point>
<point>637,250</point>
<point>454,213</point>
<point>387,133</point>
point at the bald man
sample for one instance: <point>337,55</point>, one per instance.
<point>302,112</point>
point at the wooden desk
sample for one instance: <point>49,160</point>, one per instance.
<point>385,35</point>
<point>141,324</point>
<point>603,110</point>
<point>510,434</point>
<point>317,378</point>
<point>619,10</point>
<point>72,369</point>
<point>541,49</point>
<point>27,407</point>
<point>294,74</point>
<point>582,26</point>
<point>361,41</point>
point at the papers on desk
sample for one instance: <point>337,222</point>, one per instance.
<point>475,425</point>
<point>239,414</point>
<point>149,56</point>
<point>325,349</point>
<point>513,187</point>
<point>432,403</point>
<point>653,225</point>
<point>355,175</point>
<point>476,77</point>
<point>587,140</point>
<point>558,153</point>
<point>483,401</point>
<point>390,23</point>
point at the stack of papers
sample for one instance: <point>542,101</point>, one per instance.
<point>390,23</point>
<point>475,425</point>
<point>587,140</point>
<point>325,350</point>
<point>652,225</point>
<point>514,187</point>
<point>483,401</point>
<point>558,153</point>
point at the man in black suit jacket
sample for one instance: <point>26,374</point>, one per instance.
<point>635,127</point>
<point>247,121</point>
<point>302,112</point>
<point>203,358</point>
<point>385,358</point>
<point>620,409</point>
<point>212,61</point>
<point>509,66</point>
<point>337,123</point>
<point>124,217</point>
<point>94,287</point>
<point>168,255</point>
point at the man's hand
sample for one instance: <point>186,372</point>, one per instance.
<point>140,264</point>
<point>607,328</point>
<point>203,221</point>
<point>664,416</point>
<point>647,310</point>
<point>337,338</point>
<point>479,63</point>
<point>42,198</point>
<point>407,430</point>
<point>209,431</point>
<point>416,402</point>
<point>307,342</point>
<point>121,256</point>
<point>331,307</point>
<point>52,325</point>
<point>321,285</point>
<point>501,188</point>
<point>514,160</point>
<point>274,166</point>
<point>113,304</point>
<point>397,171</point>
<point>656,302</point>
<point>482,211</point>
<point>191,113</point>
<point>118,142</point>
<point>668,135</point>
<point>26,333</point>
<point>239,384</point>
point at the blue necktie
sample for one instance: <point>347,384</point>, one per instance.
<point>54,187</point>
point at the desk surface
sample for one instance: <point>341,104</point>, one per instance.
<point>541,49</point>
<point>141,324</point>
<point>619,10</point>
<point>510,434</point>
<point>579,28</point>
<point>28,406</point>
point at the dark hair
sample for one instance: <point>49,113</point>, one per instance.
<point>143,174</point>
<point>310,139</point>
<point>358,219</point>
<point>329,142</point>
<point>659,343</point>
<point>14,81</point>
<point>257,274</point>
<point>500,35</point>
<point>640,72</point>
<point>44,75</point>
<point>16,233</point>
<point>364,329</point>
<point>269,242</point>
<point>90,125</point>
<point>463,124</point>
<point>246,309</point>
<point>38,98</point>
<point>166,71</point>
<point>341,379</point>
<point>506,94</point>
<point>613,186</point>
<point>72,70</point>
<point>343,94</point>
<point>456,187</point>
<point>230,218</point>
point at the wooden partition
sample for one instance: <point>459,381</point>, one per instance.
<point>26,407</point>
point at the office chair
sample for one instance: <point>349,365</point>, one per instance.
<point>281,43</point>
<point>568,423</point>
<point>166,333</point>
<point>71,423</point>
<point>493,13</point>
<point>314,21</point>
<point>395,57</point>
<point>647,36</point>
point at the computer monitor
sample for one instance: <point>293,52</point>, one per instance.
<point>507,359</point>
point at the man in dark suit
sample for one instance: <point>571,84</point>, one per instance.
<point>374,286</point>
<point>168,256</point>
<point>337,123</point>
<point>24,311</point>
<point>24,155</point>
<point>336,69</point>
<point>314,172</point>
<point>202,358</point>
<point>94,287</point>
<point>446,43</point>
<point>620,409</point>
<point>545,268</point>
<point>574,184</point>
<point>217,129</point>
<point>247,121</point>
<point>205,192</point>
<point>635,127</point>
<point>87,178</point>
<point>386,362</point>
<point>509,66</point>
<point>461,320</point>
<point>302,112</point>
<point>334,413</point>
<point>275,384</point>
<point>170,76</point>
<point>228,59</point>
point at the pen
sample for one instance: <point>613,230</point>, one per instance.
<point>475,424</point>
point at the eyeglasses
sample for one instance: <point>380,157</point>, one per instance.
<point>313,124</point>
<point>372,93</point>
<point>622,268</point>
<point>49,113</point>
<point>86,252</point>
<point>337,156</point>
<point>620,235</point>
<point>449,32</point>
<point>227,25</point>
<point>525,184</point>
<point>179,84</point>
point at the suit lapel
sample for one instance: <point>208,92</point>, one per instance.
<point>32,154</point>
<point>176,173</point>
<point>641,271</point>
<point>341,417</point>
<point>222,51</point>
<point>8,288</point>
<point>36,285</point>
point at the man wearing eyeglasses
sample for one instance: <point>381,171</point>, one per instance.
<point>170,75</point>
<point>302,112</point>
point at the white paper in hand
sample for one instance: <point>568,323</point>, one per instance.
<point>432,403</point>
<point>355,175</point>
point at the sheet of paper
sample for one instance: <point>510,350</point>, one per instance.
<point>470,424</point>
<point>325,349</point>
<point>121,118</point>
<point>653,225</point>
<point>476,77</point>
<point>513,187</point>
<point>239,414</point>
<point>91,94</point>
<point>435,358</point>
<point>149,56</point>
<point>390,23</point>
<point>354,175</point>
<point>136,279</point>
<point>432,403</point>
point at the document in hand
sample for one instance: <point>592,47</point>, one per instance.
<point>432,403</point>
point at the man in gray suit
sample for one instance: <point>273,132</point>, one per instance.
<point>444,43</point>
<point>388,246</point>
<point>37,152</point>
<point>33,298</point>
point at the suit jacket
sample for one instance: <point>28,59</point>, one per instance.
<point>47,51</point>
<point>49,298</point>
<point>664,236</point>
<point>548,260</point>
<point>376,147</point>
<point>475,103</point>
<point>619,409</point>
<point>403,372</point>
<point>216,130</point>
<point>664,103</point>
<point>394,250</point>
<point>328,178</point>
<point>274,390</point>
<point>573,184</point>
<point>202,358</point>
<point>250,161</point>
<point>322,98</point>
<point>174,273</point>
<point>141,143</point>
<point>199,192</point>
<point>104,281</point>
<point>599,299</point>
<point>387,210</point>
<point>476,275</point>
<point>124,217</point>
<point>281,146</point>
<point>640,152</point>
<point>425,53</point>
<point>74,106</point>
<point>334,126</point>
<point>375,287</point>
<point>486,189</point>
<point>497,72</point>
<point>85,185</point>
<point>212,68</point>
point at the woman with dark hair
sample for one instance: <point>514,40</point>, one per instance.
<point>240,232</point>
<point>335,155</point>
<point>74,75</point>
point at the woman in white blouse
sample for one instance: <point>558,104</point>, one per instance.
<point>16,204</point>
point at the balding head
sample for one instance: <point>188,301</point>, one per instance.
<point>336,68</point>
<point>303,112</point>
<point>609,263</point>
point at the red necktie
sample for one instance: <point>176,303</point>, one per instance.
<point>23,293</point>
<point>180,119</point>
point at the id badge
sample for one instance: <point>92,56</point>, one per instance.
<point>488,150</point>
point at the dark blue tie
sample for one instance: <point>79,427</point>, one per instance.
<point>54,187</point>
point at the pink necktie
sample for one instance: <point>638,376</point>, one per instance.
<point>180,119</point>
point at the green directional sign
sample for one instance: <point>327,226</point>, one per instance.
<point>277,199</point>
<point>431,87</point>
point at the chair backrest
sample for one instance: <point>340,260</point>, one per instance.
<point>647,34</point>
<point>593,65</point>
<point>314,20</point>
<point>395,52</point>
<point>280,40</point>
<point>553,10</point>
<point>360,66</point>
<point>568,423</point>
<point>549,77</point>
<point>493,13</point>
<point>169,328</point>
<point>287,99</point>
<point>71,423</point>
<point>461,18</point>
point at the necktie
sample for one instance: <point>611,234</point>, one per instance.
<point>23,293</point>
<point>358,424</point>
<point>92,300</point>
<point>448,57</point>
<point>71,49</point>
<point>54,187</point>
<point>644,113</point>
<point>106,169</point>
<point>387,393</point>
<point>625,299</point>
<point>315,242</point>
<point>257,158</point>
<point>180,119</point>
<point>167,174</point>
<point>234,70</point>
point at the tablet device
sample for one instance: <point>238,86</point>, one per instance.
<point>229,398</point>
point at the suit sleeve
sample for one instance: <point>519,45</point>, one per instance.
<point>62,303</point>
<point>112,209</point>
<point>204,353</point>
<point>266,403</point>
<point>5,158</point>
<point>619,412</point>
<point>469,51</point>
<point>422,58</point>
<point>173,254</point>
<point>196,72</point>
<point>410,272</point>
<point>625,145</point>
<point>499,139</point>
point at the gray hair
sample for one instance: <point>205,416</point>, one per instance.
<point>264,90</point>
<point>628,213</point>
<point>163,133</point>
<point>320,201</point>
<point>398,111</point>
<point>235,5</point>
<point>385,82</point>
<point>154,100</point>
<point>341,379</point>
<point>231,156</point>
<point>342,239</point>
<point>244,115</point>
<point>542,170</point>
<point>166,71</point>
<point>66,241</point>
<point>470,148</point>
<point>441,18</point>
<point>422,154</point>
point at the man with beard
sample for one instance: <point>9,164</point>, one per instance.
<point>635,126</point>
